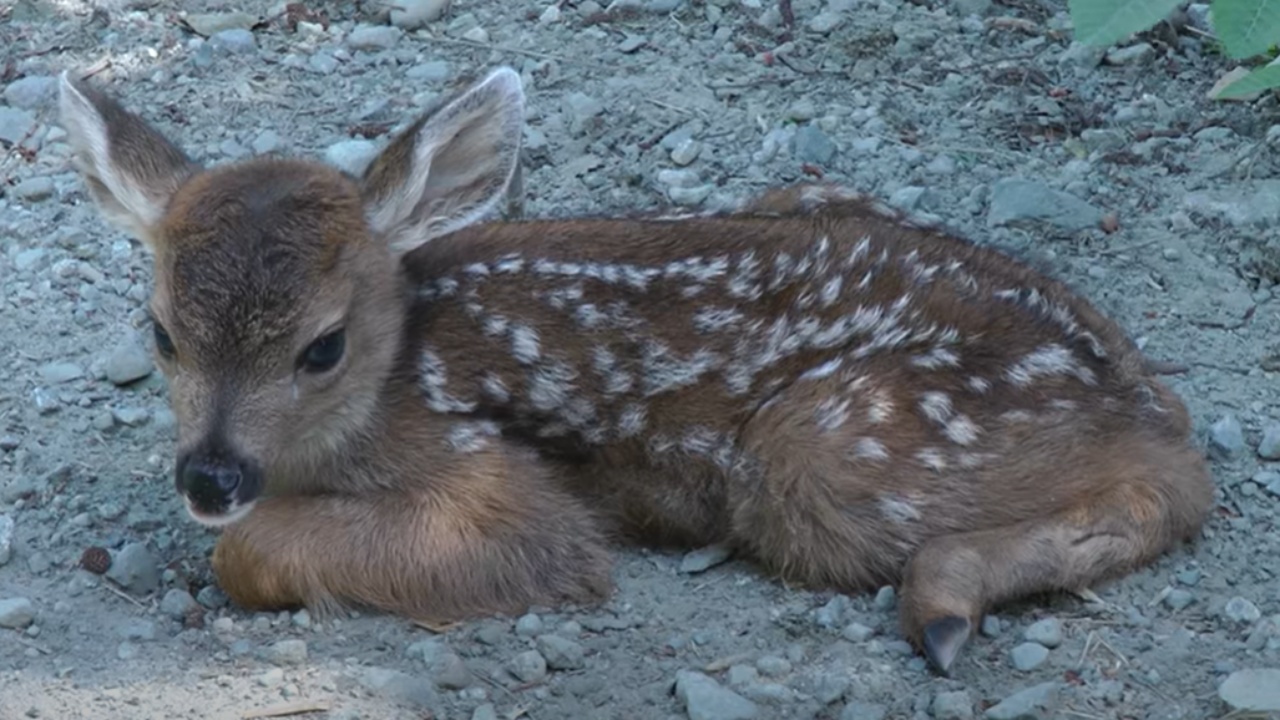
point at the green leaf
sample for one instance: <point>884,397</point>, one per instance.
<point>1246,27</point>
<point>1104,22</point>
<point>1264,78</point>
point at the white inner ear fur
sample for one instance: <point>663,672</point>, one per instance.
<point>463,160</point>
<point>127,204</point>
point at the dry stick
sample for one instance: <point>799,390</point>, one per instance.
<point>297,707</point>
<point>502,48</point>
<point>123,594</point>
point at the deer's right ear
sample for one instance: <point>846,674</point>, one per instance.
<point>130,169</point>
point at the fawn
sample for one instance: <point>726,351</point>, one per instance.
<point>386,401</point>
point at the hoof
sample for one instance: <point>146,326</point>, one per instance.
<point>943,639</point>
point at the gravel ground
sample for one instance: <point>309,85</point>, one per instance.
<point>1110,169</point>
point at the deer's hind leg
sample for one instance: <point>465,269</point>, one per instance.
<point>495,539</point>
<point>1148,496</point>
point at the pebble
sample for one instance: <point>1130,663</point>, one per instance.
<point>1252,690</point>
<point>1131,54</point>
<point>773,666</point>
<point>351,156</point>
<point>128,361</point>
<point>811,145</point>
<point>706,699</point>
<point>434,71</point>
<point>1226,437</point>
<point>287,652</point>
<point>686,152</point>
<point>560,653</point>
<point>56,373</point>
<point>126,651</point>
<point>954,705</point>
<point>486,711</point>
<point>15,124</point>
<point>36,189</point>
<point>1047,632</point>
<point>134,568</point>
<point>1269,447</point>
<point>31,92</point>
<point>1241,610</point>
<point>16,613</point>
<point>413,14</point>
<point>374,37</point>
<point>991,626</point>
<point>322,63</point>
<point>1015,200</point>
<point>886,598</point>
<point>1028,656</point>
<point>831,615</point>
<point>705,558</point>
<point>528,667</point>
<point>632,43</point>
<point>131,416</point>
<point>1034,703</point>
<point>1178,599</point>
<point>271,678</point>
<point>267,141</point>
<point>6,539</point>
<point>859,710</point>
<point>529,625</point>
<point>177,603</point>
<point>224,625</point>
<point>826,21</point>
<point>857,632</point>
<point>397,686</point>
<point>237,41</point>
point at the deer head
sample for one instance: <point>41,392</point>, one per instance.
<point>279,298</point>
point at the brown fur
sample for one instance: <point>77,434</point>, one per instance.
<point>512,392</point>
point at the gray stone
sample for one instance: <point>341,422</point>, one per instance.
<point>140,629</point>
<point>6,539</point>
<point>1047,632</point>
<point>236,41</point>
<point>1015,200</point>
<point>705,558</point>
<point>267,141</point>
<point>36,189</point>
<point>1130,55</point>
<point>134,568</point>
<point>374,37</point>
<point>706,699</point>
<point>322,63</point>
<point>812,145</point>
<point>271,678</point>
<point>859,710</point>
<point>686,152</point>
<point>991,626</point>
<point>825,21</point>
<point>1028,656</point>
<point>857,632</point>
<point>129,360</point>
<point>31,92</point>
<point>528,667</point>
<point>953,705</point>
<point>486,711</point>
<point>1252,690</point>
<point>130,416</point>
<point>351,155</point>
<point>1179,599</point>
<point>433,71</point>
<point>1241,610</point>
<point>561,654</point>
<point>1269,447</point>
<point>886,597</point>
<point>212,597</point>
<point>1226,437</point>
<point>773,666</point>
<point>177,603</point>
<point>28,259</point>
<point>399,687</point>
<point>287,652</point>
<point>413,14</point>
<point>831,615</point>
<point>690,196</point>
<point>1255,203</point>
<point>529,625</point>
<point>1034,703</point>
<point>55,373</point>
<point>15,124</point>
<point>16,613</point>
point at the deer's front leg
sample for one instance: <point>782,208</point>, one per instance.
<point>472,546</point>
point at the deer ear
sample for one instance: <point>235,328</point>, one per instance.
<point>130,168</point>
<point>451,167</point>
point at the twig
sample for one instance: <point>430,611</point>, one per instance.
<point>113,589</point>
<point>296,707</point>
<point>436,627</point>
<point>502,48</point>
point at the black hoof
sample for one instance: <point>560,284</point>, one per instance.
<point>943,639</point>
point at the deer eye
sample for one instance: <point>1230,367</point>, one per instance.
<point>164,343</point>
<point>324,353</point>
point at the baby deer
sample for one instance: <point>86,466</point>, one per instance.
<point>389,403</point>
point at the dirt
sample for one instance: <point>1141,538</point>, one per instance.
<point>952,110</point>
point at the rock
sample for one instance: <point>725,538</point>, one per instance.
<point>486,711</point>
<point>55,373</point>
<point>267,141</point>
<point>1226,437</point>
<point>237,41</point>
<point>1269,447</point>
<point>1240,610</point>
<point>529,625</point>
<point>1047,632</point>
<point>1253,690</point>
<point>811,145</point>
<point>434,71</point>
<point>858,710</point>
<point>15,125</point>
<point>1129,55</point>
<point>1034,703</point>
<point>140,629</point>
<point>581,108</point>
<point>1028,656</point>
<point>705,699</point>
<point>528,667</point>
<point>991,626</point>
<point>177,603</point>
<point>6,539</point>
<point>561,654</point>
<point>322,63</point>
<point>955,705</point>
<point>374,37</point>
<point>857,632</point>
<point>36,189</point>
<point>271,678</point>
<point>1178,599</point>
<point>397,686</point>
<point>134,568</point>
<point>16,613</point>
<point>705,558</point>
<point>632,43</point>
<point>413,14</point>
<point>831,615</point>
<point>287,652</point>
<point>129,360</point>
<point>773,666</point>
<point>130,416</point>
<point>351,156</point>
<point>885,599</point>
<point>210,24</point>
<point>826,21</point>
<point>686,152</point>
<point>31,92</point>
<point>1015,200</point>
<point>691,196</point>
<point>1255,203</point>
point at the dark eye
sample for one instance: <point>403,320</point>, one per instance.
<point>164,343</point>
<point>324,353</point>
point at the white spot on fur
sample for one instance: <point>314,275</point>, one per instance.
<point>961,430</point>
<point>700,440</point>
<point>936,406</point>
<point>708,320</point>
<point>525,344</point>
<point>432,380</point>
<point>550,385</point>
<point>1016,416</point>
<point>664,370</point>
<point>936,358</point>
<point>932,458</point>
<point>826,369</point>
<point>870,449</point>
<point>632,420</point>
<point>831,413</point>
<point>881,407</point>
<point>1048,360</point>
<point>1059,404</point>
<point>978,384</point>
<point>898,509</point>
<point>495,389</point>
<point>470,437</point>
<point>617,381</point>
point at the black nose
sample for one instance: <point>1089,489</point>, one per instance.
<point>215,481</point>
<point>220,478</point>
